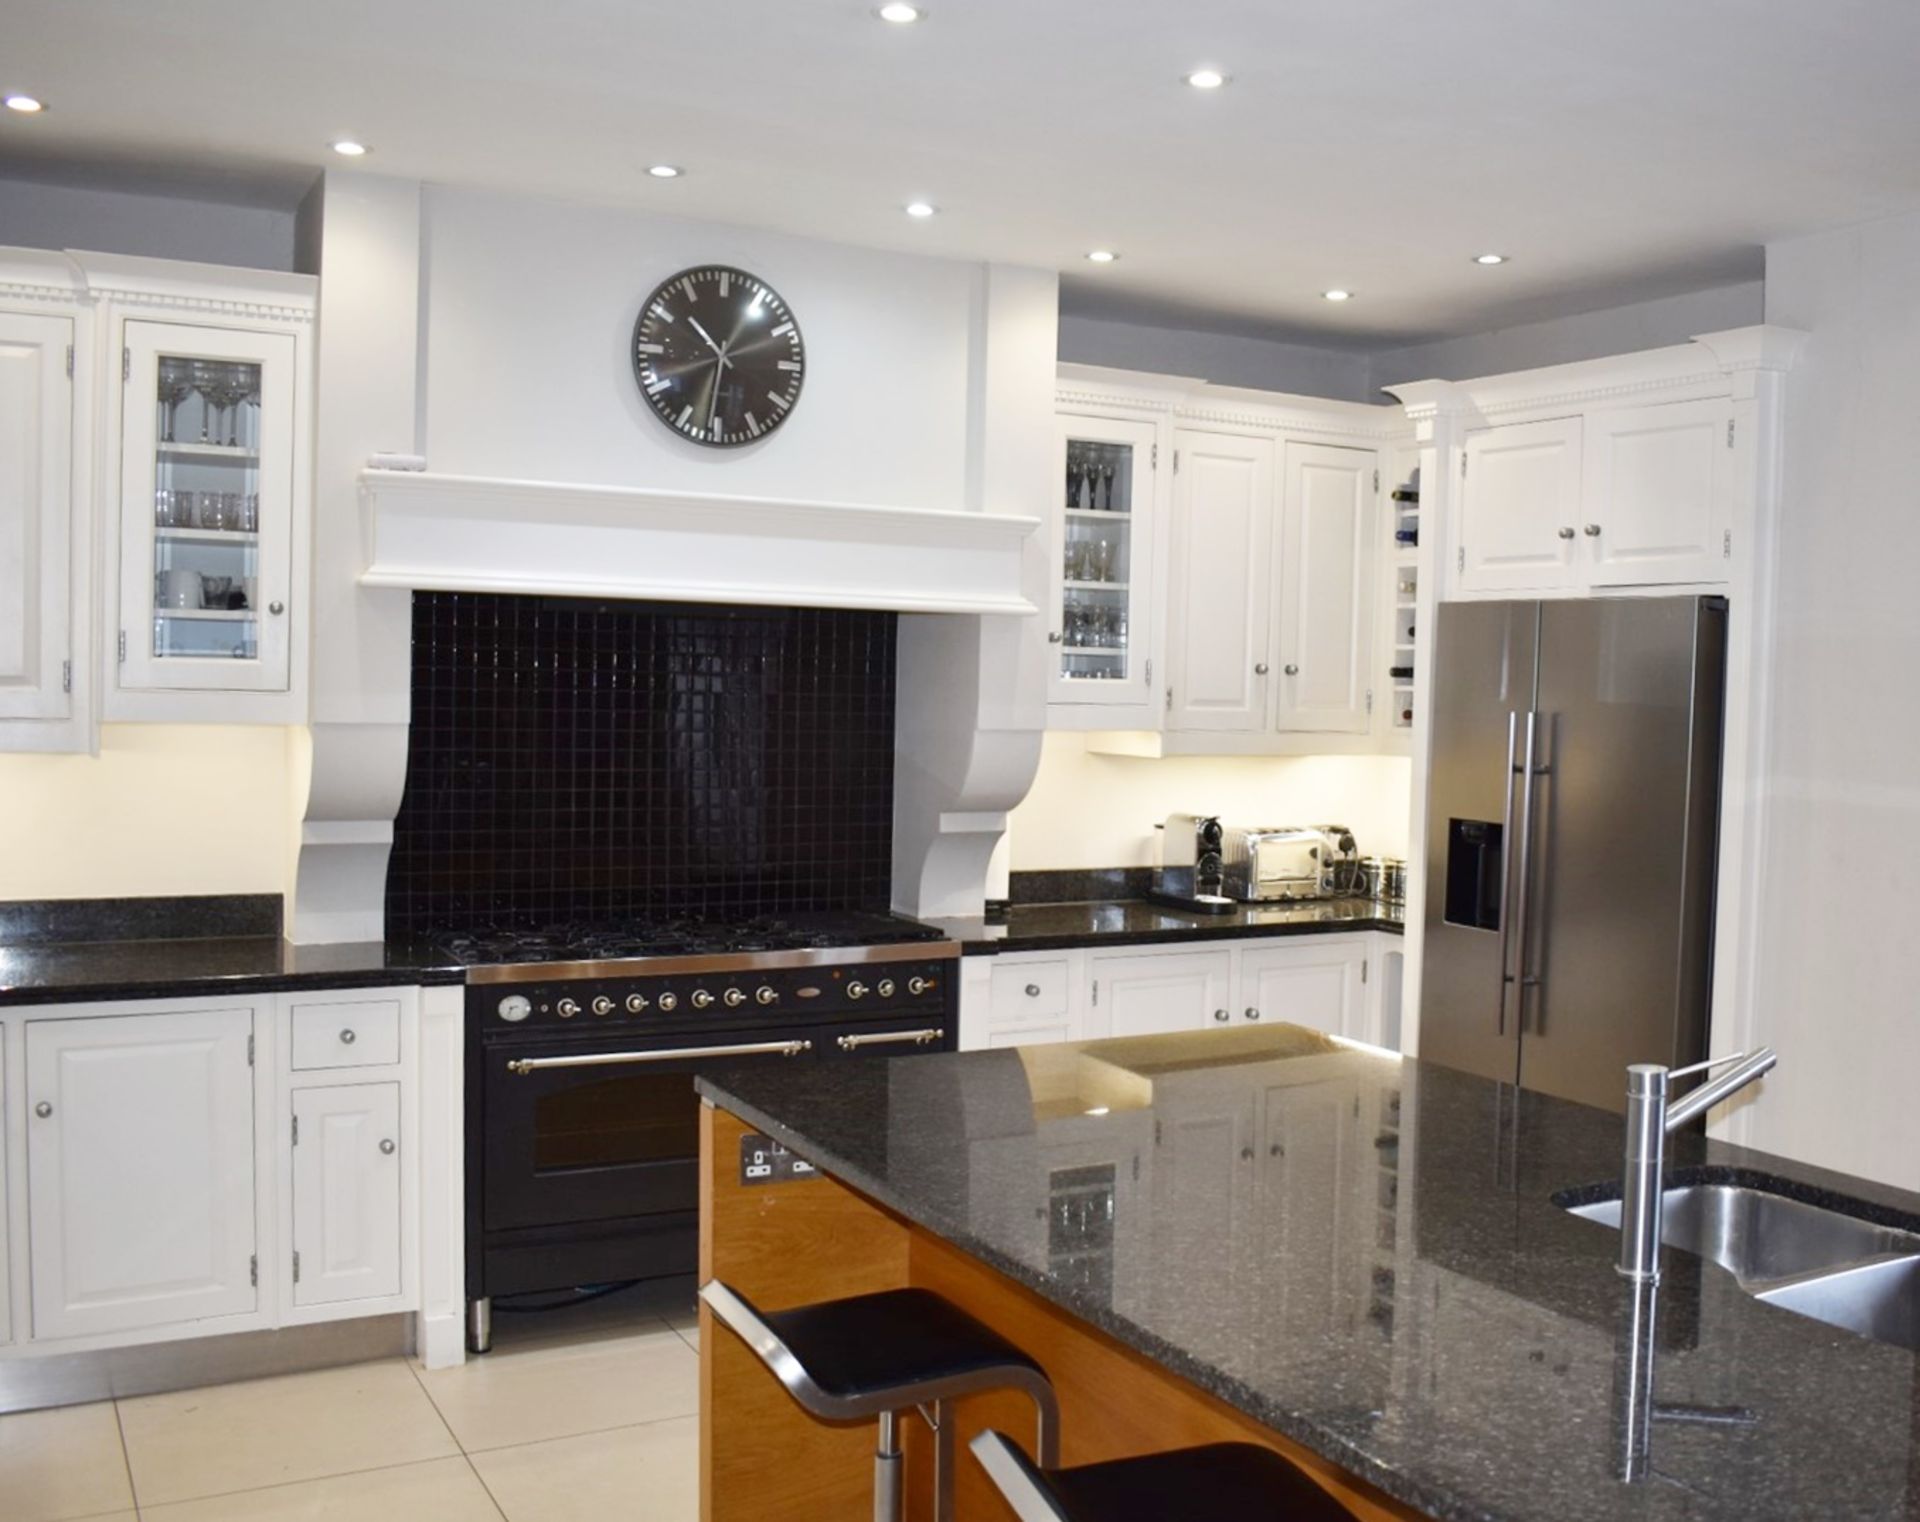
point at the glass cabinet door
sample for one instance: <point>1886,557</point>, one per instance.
<point>1104,487</point>
<point>206,508</point>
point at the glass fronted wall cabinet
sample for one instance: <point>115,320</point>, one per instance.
<point>1098,635</point>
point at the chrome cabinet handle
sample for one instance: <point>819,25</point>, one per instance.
<point>924,1037</point>
<point>386,1146</point>
<point>1567,532</point>
<point>1054,636</point>
<point>1259,668</point>
<point>1221,1014</point>
<point>347,1037</point>
<point>1033,990</point>
<point>1593,531</point>
<point>1291,669</point>
<point>525,1065</point>
<point>1252,1013</point>
<point>276,608</point>
<point>43,1109</point>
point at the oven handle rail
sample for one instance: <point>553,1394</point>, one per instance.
<point>919,1038</point>
<point>525,1065</point>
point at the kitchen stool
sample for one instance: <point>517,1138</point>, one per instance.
<point>885,1355</point>
<point>1221,1482</point>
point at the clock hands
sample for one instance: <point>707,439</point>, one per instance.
<point>719,350</point>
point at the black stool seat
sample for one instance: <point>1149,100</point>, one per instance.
<point>1221,1482</point>
<point>870,1347</point>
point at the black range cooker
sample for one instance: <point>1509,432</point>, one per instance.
<point>582,1122</point>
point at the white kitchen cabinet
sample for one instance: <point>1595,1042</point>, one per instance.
<point>1659,493</point>
<point>1220,582</point>
<point>1520,507</point>
<point>1324,574</point>
<point>1314,981</point>
<point>1029,999</point>
<point>1142,993</point>
<point>1101,604</point>
<point>140,1170</point>
<point>346,1193</point>
<point>40,512</point>
<point>6,1274</point>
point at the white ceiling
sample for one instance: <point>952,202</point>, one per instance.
<point>1618,150</point>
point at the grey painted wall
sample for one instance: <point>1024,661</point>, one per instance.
<point>1224,358</point>
<point>37,215</point>
<point>1584,335</point>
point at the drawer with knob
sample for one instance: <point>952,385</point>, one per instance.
<point>1029,991</point>
<point>348,1033</point>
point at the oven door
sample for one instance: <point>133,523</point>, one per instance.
<point>600,1130</point>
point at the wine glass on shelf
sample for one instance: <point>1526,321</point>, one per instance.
<point>175,386</point>
<point>1073,478</point>
<point>225,387</point>
<point>1107,474</point>
<point>249,379</point>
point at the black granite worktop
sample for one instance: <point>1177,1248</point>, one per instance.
<point>69,972</point>
<point>1366,1255</point>
<point>1140,922</point>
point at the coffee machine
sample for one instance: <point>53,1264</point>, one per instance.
<point>1189,874</point>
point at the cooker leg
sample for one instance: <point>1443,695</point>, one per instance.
<point>480,1325</point>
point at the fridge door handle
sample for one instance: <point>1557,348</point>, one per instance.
<point>1506,868</point>
<point>1529,769</point>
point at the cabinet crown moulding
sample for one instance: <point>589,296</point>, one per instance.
<point>1388,424</point>
<point>169,285</point>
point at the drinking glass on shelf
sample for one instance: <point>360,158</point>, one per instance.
<point>175,386</point>
<point>226,387</point>
<point>1100,560</point>
<point>1107,475</point>
<point>1074,470</point>
<point>166,507</point>
<point>210,511</point>
<point>248,520</point>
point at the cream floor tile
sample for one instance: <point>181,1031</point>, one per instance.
<point>66,1462</point>
<point>636,1474</point>
<point>275,1431</point>
<point>687,1323</point>
<point>440,1490</point>
<point>530,1394</point>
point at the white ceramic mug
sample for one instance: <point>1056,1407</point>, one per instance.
<point>180,589</point>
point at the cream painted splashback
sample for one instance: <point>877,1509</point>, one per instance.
<point>1099,811</point>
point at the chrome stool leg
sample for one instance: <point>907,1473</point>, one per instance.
<point>889,1498</point>
<point>940,1419</point>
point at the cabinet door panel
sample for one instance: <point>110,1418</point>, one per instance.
<point>346,1193</point>
<point>1143,995</point>
<point>1660,484</point>
<point>1100,600</point>
<point>1520,507</point>
<point>1325,576</point>
<point>1315,984</point>
<point>36,515</point>
<point>1220,585</point>
<point>140,1178</point>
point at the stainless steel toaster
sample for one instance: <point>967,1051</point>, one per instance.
<point>1263,865</point>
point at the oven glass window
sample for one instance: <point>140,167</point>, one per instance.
<point>610,1122</point>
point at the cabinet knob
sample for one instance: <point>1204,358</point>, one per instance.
<point>1221,1015</point>
<point>386,1146</point>
<point>1291,669</point>
<point>1259,668</point>
<point>1567,532</point>
<point>1246,1154</point>
<point>1252,1013</point>
<point>1593,531</point>
<point>1053,636</point>
<point>276,608</point>
<point>43,1109</point>
<point>1033,990</point>
<point>347,1037</point>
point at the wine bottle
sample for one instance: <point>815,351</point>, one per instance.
<point>1407,536</point>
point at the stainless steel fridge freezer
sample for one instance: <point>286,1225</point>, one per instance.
<point>1573,814</point>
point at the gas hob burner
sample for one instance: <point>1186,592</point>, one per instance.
<point>640,939</point>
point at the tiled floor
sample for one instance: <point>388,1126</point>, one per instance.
<point>588,1413</point>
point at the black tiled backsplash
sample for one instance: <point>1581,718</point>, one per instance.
<point>576,759</point>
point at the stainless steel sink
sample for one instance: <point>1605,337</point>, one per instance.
<point>1819,1263</point>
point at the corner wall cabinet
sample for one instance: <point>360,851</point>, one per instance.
<point>1105,513</point>
<point>174,1170</point>
<point>1272,570</point>
<point>162,412</point>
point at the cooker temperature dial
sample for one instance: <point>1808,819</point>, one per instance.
<point>702,999</point>
<point>735,997</point>
<point>669,1002</point>
<point>636,1003</point>
<point>603,1005</point>
<point>919,985</point>
<point>568,1009</point>
<point>515,1008</point>
<point>885,990</point>
<point>765,994</point>
<point>856,990</point>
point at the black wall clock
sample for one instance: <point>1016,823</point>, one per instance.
<point>718,356</point>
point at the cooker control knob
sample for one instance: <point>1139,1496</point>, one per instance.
<point>885,990</point>
<point>669,1002</point>
<point>603,1005</point>
<point>702,999</point>
<point>919,985</point>
<point>766,995</point>
<point>515,1008</point>
<point>568,1009</point>
<point>856,990</point>
<point>636,1003</point>
<point>735,997</point>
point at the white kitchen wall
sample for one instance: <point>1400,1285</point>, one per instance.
<point>34,214</point>
<point>1836,986</point>
<point>529,308</point>
<point>1089,810</point>
<point>1226,359</point>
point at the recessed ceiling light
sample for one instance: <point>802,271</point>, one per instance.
<point>26,105</point>
<point>1337,295</point>
<point>1489,258</point>
<point>1102,255</point>
<point>1206,79</point>
<point>921,208</point>
<point>664,171</point>
<point>350,149</point>
<point>901,15</point>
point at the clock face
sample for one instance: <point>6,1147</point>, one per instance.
<point>718,356</point>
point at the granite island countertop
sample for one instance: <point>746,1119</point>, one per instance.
<point>1366,1255</point>
<point>1141,922</point>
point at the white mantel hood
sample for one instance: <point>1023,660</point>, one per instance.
<point>473,534</point>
